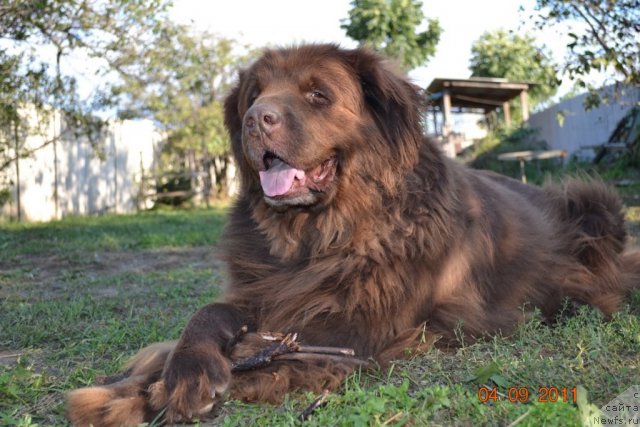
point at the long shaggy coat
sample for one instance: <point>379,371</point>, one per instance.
<point>353,230</point>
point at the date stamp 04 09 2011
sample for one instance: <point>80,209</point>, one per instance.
<point>623,410</point>
<point>524,395</point>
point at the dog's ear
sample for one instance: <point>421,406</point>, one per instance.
<point>233,123</point>
<point>396,104</point>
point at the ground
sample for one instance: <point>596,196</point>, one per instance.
<point>79,296</point>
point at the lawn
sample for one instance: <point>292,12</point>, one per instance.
<point>79,296</point>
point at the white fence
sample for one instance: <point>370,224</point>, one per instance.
<point>567,126</point>
<point>68,178</point>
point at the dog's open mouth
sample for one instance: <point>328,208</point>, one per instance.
<point>282,180</point>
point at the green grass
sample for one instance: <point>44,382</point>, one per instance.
<point>78,235</point>
<point>441,387</point>
<point>79,296</point>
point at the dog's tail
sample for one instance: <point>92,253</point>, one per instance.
<point>124,400</point>
<point>596,216</point>
<point>598,213</point>
<point>593,216</point>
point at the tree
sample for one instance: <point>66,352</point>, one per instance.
<point>16,86</point>
<point>34,90</point>
<point>603,36</point>
<point>99,29</point>
<point>392,27</point>
<point>179,82</point>
<point>32,83</point>
<point>510,56</point>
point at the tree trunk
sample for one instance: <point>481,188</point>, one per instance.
<point>221,164</point>
<point>207,184</point>
<point>16,141</point>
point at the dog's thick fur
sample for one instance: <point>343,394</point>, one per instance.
<point>378,241</point>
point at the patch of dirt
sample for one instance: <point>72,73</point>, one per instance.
<point>146,261</point>
<point>53,271</point>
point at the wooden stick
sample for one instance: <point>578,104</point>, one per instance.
<point>285,347</point>
<point>326,350</point>
<point>264,357</point>
<point>318,402</point>
<point>394,418</point>
<point>307,357</point>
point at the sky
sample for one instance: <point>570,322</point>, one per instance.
<point>285,22</point>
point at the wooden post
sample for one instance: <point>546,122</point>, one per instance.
<point>487,118</point>
<point>507,113</point>
<point>435,120</point>
<point>524,104</point>
<point>523,173</point>
<point>446,110</point>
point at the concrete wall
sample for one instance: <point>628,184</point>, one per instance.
<point>580,129</point>
<point>86,183</point>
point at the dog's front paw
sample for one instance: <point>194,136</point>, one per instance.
<point>193,382</point>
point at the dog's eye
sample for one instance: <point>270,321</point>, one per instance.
<point>317,97</point>
<point>253,96</point>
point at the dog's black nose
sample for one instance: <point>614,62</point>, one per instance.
<point>264,118</point>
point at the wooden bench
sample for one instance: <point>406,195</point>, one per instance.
<point>527,156</point>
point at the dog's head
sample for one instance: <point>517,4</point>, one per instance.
<point>304,120</point>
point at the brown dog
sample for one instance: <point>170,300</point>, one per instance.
<point>353,230</point>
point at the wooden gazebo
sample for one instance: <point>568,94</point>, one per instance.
<point>476,95</point>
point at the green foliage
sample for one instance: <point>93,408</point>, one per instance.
<point>32,80</point>
<point>20,87</point>
<point>395,27</point>
<point>100,28</point>
<point>603,37</point>
<point>179,81</point>
<point>150,67</point>
<point>5,196</point>
<point>511,56</point>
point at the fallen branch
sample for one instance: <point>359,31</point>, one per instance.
<point>326,350</point>
<point>318,402</point>
<point>285,347</point>
<point>264,357</point>
<point>313,357</point>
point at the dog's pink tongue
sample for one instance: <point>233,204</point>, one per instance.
<point>278,179</point>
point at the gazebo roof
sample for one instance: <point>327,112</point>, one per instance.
<point>477,92</point>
